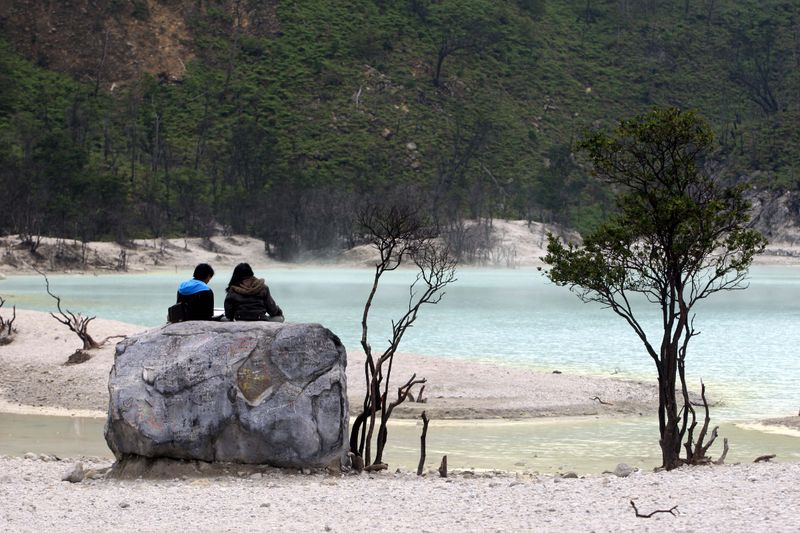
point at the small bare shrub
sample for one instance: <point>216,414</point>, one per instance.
<point>7,329</point>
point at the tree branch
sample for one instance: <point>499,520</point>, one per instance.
<point>672,511</point>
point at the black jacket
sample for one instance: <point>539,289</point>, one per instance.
<point>250,301</point>
<point>199,306</point>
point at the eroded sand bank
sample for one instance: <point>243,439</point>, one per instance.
<point>34,379</point>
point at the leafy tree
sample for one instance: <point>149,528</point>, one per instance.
<point>678,237</point>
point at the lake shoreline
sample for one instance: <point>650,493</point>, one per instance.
<point>517,243</point>
<point>35,380</point>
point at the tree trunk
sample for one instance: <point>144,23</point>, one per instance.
<point>669,421</point>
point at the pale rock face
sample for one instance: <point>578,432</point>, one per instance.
<point>246,392</point>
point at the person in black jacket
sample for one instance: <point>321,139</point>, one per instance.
<point>197,295</point>
<point>248,297</point>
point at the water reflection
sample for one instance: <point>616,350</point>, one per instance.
<point>585,445</point>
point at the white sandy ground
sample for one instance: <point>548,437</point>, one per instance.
<point>515,243</point>
<point>731,498</point>
<point>34,379</point>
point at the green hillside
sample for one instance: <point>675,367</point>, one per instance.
<point>473,106</point>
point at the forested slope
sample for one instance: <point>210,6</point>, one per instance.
<point>275,118</point>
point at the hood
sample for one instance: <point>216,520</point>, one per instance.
<point>192,286</point>
<point>250,286</point>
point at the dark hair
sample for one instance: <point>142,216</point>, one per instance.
<point>240,273</point>
<point>203,271</point>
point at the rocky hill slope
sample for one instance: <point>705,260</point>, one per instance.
<point>142,118</point>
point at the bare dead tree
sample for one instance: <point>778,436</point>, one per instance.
<point>102,64</point>
<point>31,241</point>
<point>422,438</point>
<point>758,67</point>
<point>401,237</point>
<point>673,511</point>
<point>466,143</point>
<point>7,329</point>
<point>76,322</point>
<point>122,260</point>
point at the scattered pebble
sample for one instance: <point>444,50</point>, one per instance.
<point>74,474</point>
<point>623,470</point>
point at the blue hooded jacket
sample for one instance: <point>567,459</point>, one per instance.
<point>192,286</point>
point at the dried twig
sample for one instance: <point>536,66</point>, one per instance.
<point>422,437</point>
<point>672,511</point>
<point>102,342</point>
<point>764,458</point>
<point>697,454</point>
<point>701,450</point>
<point>356,462</point>
<point>420,399</point>
<point>722,457</point>
<point>601,401</point>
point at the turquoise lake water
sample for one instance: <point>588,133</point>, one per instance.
<point>746,353</point>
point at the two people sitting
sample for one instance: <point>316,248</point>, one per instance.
<point>248,298</point>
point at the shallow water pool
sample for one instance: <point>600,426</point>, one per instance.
<point>585,445</point>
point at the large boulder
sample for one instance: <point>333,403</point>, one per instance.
<point>246,392</point>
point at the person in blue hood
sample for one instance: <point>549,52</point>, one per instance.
<point>197,295</point>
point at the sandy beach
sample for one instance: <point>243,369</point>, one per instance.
<point>751,498</point>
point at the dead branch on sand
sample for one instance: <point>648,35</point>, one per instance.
<point>672,511</point>
<point>601,401</point>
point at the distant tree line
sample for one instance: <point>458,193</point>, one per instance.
<point>281,129</point>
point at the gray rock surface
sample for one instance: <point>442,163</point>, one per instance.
<point>245,392</point>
